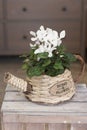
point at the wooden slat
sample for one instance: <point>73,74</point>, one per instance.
<point>15,102</point>
<point>79,127</point>
<point>51,126</point>
<point>26,118</point>
<point>14,126</point>
<point>57,126</point>
<point>15,96</point>
<point>80,97</point>
<point>34,109</point>
<point>9,88</point>
<point>16,108</point>
<point>81,88</point>
<point>34,126</point>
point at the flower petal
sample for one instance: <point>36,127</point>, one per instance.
<point>33,38</point>
<point>32,46</point>
<point>36,51</point>
<point>41,27</point>
<point>59,42</point>
<point>33,33</point>
<point>62,34</point>
<point>50,54</point>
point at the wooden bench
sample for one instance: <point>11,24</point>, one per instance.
<point>20,114</point>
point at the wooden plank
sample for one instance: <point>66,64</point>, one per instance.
<point>10,88</point>
<point>81,88</point>
<point>79,127</point>
<point>15,96</point>
<point>57,126</point>
<point>79,97</point>
<point>34,109</point>
<point>14,126</point>
<point>16,108</point>
<point>25,118</point>
<point>34,126</point>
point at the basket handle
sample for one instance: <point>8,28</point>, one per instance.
<point>79,58</point>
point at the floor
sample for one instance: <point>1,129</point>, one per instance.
<point>13,65</point>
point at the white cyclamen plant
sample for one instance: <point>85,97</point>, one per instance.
<point>46,40</point>
<point>47,54</point>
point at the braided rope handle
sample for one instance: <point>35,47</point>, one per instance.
<point>16,82</point>
<point>79,58</point>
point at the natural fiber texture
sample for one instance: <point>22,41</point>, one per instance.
<point>16,82</point>
<point>47,89</point>
<point>82,62</point>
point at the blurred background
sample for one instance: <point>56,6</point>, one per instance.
<point>19,17</point>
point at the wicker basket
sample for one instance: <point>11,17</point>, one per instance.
<point>46,89</point>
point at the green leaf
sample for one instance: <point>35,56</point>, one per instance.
<point>61,49</point>
<point>35,71</point>
<point>51,71</point>
<point>25,66</point>
<point>71,57</point>
<point>58,65</point>
<point>66,65</point>
<point>23,56</point>
<point>61,71</point>
<point>43,55</point>
<point>26,60</point>
<point>46,62</point>
<point>31,54</point>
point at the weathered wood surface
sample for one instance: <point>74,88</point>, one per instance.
<point>20,114</point>
<point>15,101</point>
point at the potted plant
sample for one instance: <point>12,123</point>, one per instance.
<point>48,68</point>
<point>47,55</point>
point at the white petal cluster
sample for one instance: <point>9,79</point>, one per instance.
<point>46,40</point>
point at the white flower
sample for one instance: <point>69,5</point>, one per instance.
<point>50,49</point>
<point>33,33</point>
<point>61,56</point>
<point>59,42</point>
<point>55,33</point>
<point>39,50</point>
<point>46,40</point>
<point>33,38</point>
<point>41,34</point>
<point>62,34</point>
<point>45,48</point>
<point>32,46</point>
<point>42,28</point>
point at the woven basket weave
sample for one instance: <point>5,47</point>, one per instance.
<point>46,89</point>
